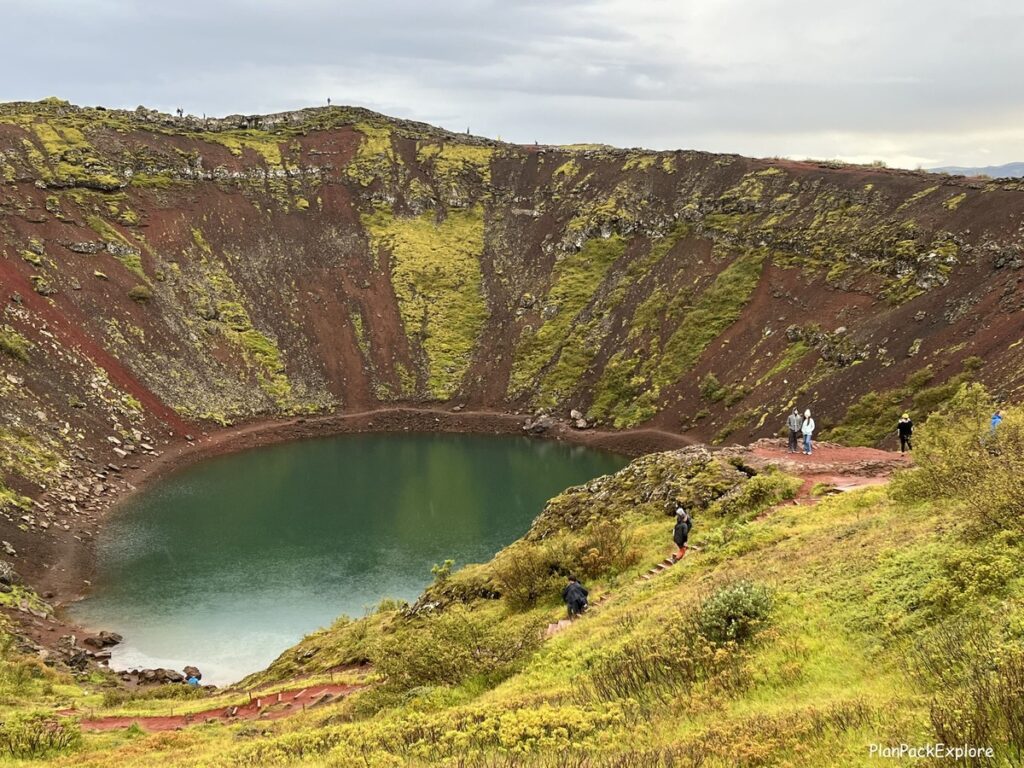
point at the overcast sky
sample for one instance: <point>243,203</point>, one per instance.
<point>910,82</point>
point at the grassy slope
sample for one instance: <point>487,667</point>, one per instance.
<point>857,580</point>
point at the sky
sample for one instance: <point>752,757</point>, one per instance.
<point>908,82</point>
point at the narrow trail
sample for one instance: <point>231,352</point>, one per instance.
<point>270,706</point>
<point>841,468</point>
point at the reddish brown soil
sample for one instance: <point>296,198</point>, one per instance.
<point>269,707</point>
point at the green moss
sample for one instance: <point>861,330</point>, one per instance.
<point>794,353</point>
<point>452,161</point>
<point>574,282</point>
<point>435,271</point>
<point>952,203</point>
<point>153,181</point>
<point>27,456</point>
<point>375,158</point>
<point>569,169</point>
<point>640,161</point>
<point>264,144</point>
<point>126,252</point>
<point>13,344</point>
<point>301,204</point>
<point>644,377</point>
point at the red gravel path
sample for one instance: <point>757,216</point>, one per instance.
<point>265,707</point>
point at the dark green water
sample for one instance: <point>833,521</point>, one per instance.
<point>227,563</point>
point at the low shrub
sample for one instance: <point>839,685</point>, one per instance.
<point>527,571</point>
<point>959,456</point>
<point>453,646</point>
<point>605,548</point>
<point>34,735</point>
<point>976,684</point>
<point>13,344</point>
<point>756,495</point>
<point>141,294</point>
<point>734,613</point>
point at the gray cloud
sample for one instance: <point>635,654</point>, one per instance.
<point>907,81</point>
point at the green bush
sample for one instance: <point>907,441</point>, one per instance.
<point>141,294</point>
<point>33,735</point>
<point>453,646</point>
<point>959,457</point>
<point>711,388</point>
<point>975,680</point>
<point>757,494</point>
<point>13,344</point>
<point>527,571</point>
<point>604,548</point>
<point>734,613</point>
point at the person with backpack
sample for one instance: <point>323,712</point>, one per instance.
<point>794,422</point>
<point>681,532</point>
<point>905,429</point>
<point>575,597</point>
<point>807,428</point>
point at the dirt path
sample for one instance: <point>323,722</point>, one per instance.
<point>844,468</point>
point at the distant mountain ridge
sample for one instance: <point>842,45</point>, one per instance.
<point>1008,170</point>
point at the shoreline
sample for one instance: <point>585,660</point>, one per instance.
<point>78,557</point>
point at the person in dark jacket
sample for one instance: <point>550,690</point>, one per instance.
<point>681,532</point>
<point>905,428</point>
<point>575,597</point>
<point>794,422</point>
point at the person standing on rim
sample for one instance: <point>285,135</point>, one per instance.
<point>807,428</point>
<point>794,422</point>
<point>905,428</point>
<point>575,597</point>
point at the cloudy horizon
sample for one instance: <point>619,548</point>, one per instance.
<point>910,83</point>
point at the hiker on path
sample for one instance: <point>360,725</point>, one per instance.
<point>575,597</point>
<point>794,422</point>
<point>997,419</point>
<point>681,532</point>
<point>807,428</point>
<point>905,428</point>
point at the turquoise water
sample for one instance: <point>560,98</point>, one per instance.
<point>227,563</point>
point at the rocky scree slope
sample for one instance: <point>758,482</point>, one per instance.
<point>161,276</point>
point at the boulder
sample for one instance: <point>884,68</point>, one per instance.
<point>191,671</point>
<point>539,425</point>
<point>8,575</point>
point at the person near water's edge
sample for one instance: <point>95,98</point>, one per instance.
<point>905,429</point>
<point>794,422</point>
<point>807,428</point>
<point>575,597</point>
<point>681,532</point>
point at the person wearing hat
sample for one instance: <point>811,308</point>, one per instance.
<point>681,532</point>
<point>905,429</point>
<point>808,430</point>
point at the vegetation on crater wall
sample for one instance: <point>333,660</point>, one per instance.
<point>436,274</point>
<point>630,388</point>
<point>575,281</point>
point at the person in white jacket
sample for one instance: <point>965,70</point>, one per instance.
<point>807,430</point>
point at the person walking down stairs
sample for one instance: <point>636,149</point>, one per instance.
<point>575,597</point>
<point>681,532</point>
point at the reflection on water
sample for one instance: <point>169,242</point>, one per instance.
<point>227,563</point>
